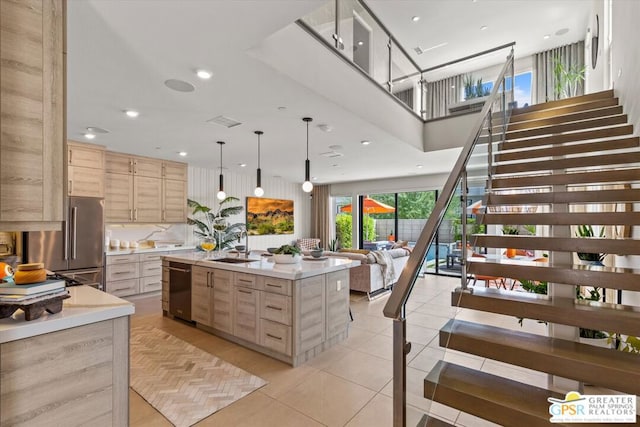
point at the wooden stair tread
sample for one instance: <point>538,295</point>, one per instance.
<point>582,362</point>
<point>569,218</point>
<point>562,244</point>
<point>488,396</point>
<point>588,135</point>
<point>568,127</point>
<point>568,163</point>
<point>565,118</point>
<point>429,421</point>
<point>575,178</point>
<point>549,197</point>
<point>586,314</point>
<point>517,117</point>
<point>565,102</point>
<point>563,150</point>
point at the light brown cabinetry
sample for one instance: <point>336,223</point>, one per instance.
<point>146,194</point>
<point>245,313</point>
<point>337,302</point>
<point>32,115</point>
<point>201,295</point>
<point>223,300</point>
<point>310,311</point>
<point>85,169</point>
<point>76,376</point>
<point>122,275</point>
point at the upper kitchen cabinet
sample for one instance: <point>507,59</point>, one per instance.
<point>133,165</point>
<point>85,169</point>
<point>142,189</point>
<point>31,114</point>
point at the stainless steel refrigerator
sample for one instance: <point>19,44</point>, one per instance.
<point>77,250</point>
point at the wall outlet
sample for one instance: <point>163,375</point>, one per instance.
<point>338,285</point>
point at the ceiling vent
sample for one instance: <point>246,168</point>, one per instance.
<point>332,154</point>
<point>418,50</point>
<point>224,121</point>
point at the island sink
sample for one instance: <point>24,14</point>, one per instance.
<point>233,260</point>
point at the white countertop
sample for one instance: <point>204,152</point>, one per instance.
<point>130,251</point>
<point>86,305</point>
<point>265,266</point>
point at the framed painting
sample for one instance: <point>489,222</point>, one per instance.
<point>269,216</point>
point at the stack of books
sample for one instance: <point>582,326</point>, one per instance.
<point>12,293</point>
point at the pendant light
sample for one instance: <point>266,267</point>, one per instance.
<point>307,186</point>
<point>258,191</point>
<point>221,194</point>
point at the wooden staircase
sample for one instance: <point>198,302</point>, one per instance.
<point>562,157</point>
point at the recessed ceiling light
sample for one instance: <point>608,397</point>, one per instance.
<point>204,74</point>
<point>419,166</point>
<point>132,113</point>
<point>89,135</point>
<point>360,43</point>
<point>365,142</point>
<point>325,127</point>
<point>336,147</point>
<point>335,165</point>
<point>484,27</point>
<point>242,165</point>
<point>183,153</point>
<point>562,31</point>
<point>282,108</point>
<point>546,36</point>
<point>314,178</point>
<point>415,18</point>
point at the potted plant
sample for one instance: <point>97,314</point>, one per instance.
<point>510,230</point>
<point>590,258</point>
<point>213,226</point>
<point>287,254</point>
<point>566,78</point>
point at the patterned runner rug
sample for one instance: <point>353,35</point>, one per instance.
<point>181,381</point>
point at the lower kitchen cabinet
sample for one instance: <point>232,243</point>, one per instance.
<point>201,295</point>
<point>223,301</point>
<point>245,319</point>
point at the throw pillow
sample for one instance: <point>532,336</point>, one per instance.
<point>307,244</point>
<point>400,244</point>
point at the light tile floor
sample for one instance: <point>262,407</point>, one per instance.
<point>350,384</point>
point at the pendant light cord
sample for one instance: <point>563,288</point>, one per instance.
<point>307,140</point>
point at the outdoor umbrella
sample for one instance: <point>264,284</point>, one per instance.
<point>370,206</point>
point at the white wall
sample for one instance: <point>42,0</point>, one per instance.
<point>626,66</point>
<point>203,186</point>
<point>595,77</point>
<point>449,132</point>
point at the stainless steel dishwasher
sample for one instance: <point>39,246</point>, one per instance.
<point>180,290</point>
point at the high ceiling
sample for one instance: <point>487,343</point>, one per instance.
<point>120,53</point>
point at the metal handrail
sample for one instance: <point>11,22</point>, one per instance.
<point>395,306</point>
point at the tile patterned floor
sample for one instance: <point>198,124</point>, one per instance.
<point>349,385</point>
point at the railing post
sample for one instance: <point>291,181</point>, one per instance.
<point>490,149</point>
<point>463,222</point>
<point>390,81</point>
<point>400,349</point>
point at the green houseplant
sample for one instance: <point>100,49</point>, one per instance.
<point>566,79</point>
<point>214,225</point>
<point>586,231</point>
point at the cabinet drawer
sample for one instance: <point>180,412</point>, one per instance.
<point>122,271</point>
<point>275,307</point>
<point>122,259</point>
<point>122,288</point>
<point>273,284</point>
<point>150,268</point>
<point>275,336</point>
<point>151,283</point>
<point>152,256</point>
<point>246,280</point>
<point>245,316</point>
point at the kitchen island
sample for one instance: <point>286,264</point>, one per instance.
<point>68,367</point>
<point>291,312</point>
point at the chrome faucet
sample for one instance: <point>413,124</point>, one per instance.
<point>246,242</point>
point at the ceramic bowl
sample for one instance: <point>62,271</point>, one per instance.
<point>286,258</point>
<point>317,253</point>
<point>272,250</point>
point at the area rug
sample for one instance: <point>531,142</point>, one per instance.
<point>181,381</point>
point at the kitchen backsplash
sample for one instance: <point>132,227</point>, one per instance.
<point>141,232</point>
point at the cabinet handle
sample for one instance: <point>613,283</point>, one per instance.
<point>244,292</point>
<point>274,286</point>
<point>130,166</point>
<point>130,214</point>
<point>70,156</point>
<point>163,214</point>
<point>245,281</point>
<point>135,214</point>
<point>115,273</point>
<point>70,186</point>
<point>274,337</point>
<point>208,279</point>
<point>154,268</point>
<point>273,307</point>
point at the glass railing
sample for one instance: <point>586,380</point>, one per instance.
<point>473,168</point>
<point>350,28</point>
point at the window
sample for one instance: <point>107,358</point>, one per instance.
<point>523,88</point>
